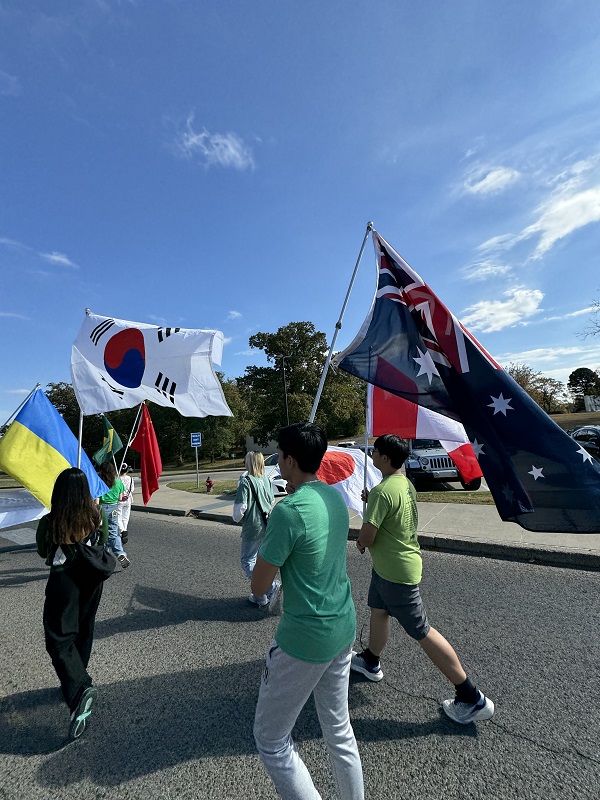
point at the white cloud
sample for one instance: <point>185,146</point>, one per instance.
<point>60,259</point>
<point>245,353</point>
<point>9,85</point>
<point>494,315</point>
<point>15,391</point>
<point>490,180</point>
<point>482,270</point>
<point>220,149</point>
<point>227,339</point>
<point>234,315</point>
<point>12,315</point>
<point>555,362</point>
<point>565,212</point>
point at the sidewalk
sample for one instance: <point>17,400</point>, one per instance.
<point>473,529</point>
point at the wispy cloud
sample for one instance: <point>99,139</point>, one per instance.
<point>227,339</point>
<point>60,259</point>
<point>12,315</point>
<point>565,212</point>
<point>234,315</point>
<point>482,270</point>
<point>214,149</point>
<point>57,259</point>
<point>10,85</point>
<point>15,391</point>
<point>245,353</point>
<point>494,315</point>
<point>157,320</point>
<point>490,180</point>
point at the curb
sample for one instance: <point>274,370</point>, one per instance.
<point>171,512</point>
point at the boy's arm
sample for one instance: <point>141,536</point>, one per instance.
<point>263,576</point>
<point>366,537</point>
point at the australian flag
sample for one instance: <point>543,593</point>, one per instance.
<point>411,345</point>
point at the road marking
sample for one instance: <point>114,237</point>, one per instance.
<point>20,536</point>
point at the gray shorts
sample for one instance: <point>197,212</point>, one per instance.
<point>401,602</point>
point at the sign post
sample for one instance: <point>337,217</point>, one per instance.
<point>196,442</point>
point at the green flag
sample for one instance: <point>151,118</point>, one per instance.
<point>111,443</point>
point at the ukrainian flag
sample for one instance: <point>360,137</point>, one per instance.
<point>39,445</point>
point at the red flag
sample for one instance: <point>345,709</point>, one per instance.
<point>147,446</point>
<point>389,413</point>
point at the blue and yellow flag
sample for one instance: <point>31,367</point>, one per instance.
<point>39,445</point>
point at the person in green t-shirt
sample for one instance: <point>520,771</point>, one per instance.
<point>389,530</point>
<point>306,539</point>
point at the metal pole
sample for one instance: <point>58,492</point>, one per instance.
<point>197,473</point>
<point>14,414</point>
<point>338,326</point>
<point>79,439</point>
<point>137,416</point>
<point>287,412</point>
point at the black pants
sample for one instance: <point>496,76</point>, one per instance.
<point>72,599</point>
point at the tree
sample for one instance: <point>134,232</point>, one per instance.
<point>593,328</point>
<point>302,349</point>
<point>583,381</point>
<point>548,393</point>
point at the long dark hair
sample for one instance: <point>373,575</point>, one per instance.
<point>108,473</point>
<point>73,513</point>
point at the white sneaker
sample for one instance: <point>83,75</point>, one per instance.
<point>463,713</point>
<point>358,664</point>
<point>252,599</point>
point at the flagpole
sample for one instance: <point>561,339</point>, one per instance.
<point>14,414</point>
<point>137,416</point>
<point>79,439</point>
<point>338,325</point>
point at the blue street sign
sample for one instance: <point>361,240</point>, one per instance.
<point>196,439</point>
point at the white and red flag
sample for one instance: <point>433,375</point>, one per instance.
<point>344,469</point>
<point>389,413</point>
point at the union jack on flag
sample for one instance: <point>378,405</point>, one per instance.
<point>411,345</point>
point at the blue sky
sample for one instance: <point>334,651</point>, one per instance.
<point>214,165</point>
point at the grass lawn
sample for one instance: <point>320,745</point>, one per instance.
<point>220,487</point>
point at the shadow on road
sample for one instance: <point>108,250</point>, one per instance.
<point>17,577</point>
<point>152,608</point>
<point>143,726</point>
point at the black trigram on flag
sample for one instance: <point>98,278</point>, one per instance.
<point>165,386</point>
<point>164,333</point>
<point>100,330</point>
<point>112,388</point>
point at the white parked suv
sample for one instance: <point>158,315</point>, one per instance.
<point>428,461</point>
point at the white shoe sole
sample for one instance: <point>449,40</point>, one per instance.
<point>372,676</point>
<point>487,712</point>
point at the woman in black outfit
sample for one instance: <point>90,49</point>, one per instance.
<point>73,590</point>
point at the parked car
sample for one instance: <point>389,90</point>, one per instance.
<point>428,461</point>
<point>589,438</point>
<point>346,444</point>
<point>272,472</point>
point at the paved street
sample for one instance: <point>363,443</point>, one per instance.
<point>177,662</point>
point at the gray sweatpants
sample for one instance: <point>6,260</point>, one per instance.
<point>286,685</point>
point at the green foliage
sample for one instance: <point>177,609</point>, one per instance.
<point>583,381</point>
<point>296,353</point>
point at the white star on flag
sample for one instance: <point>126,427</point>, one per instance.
<point>477,448</point>
<point>584,453</point>
<point>426,365</point>
<point>536,472</point>
<point>500,404</point>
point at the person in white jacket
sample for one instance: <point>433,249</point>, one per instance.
<point>124,507</point>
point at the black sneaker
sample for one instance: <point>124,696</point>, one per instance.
<point>81,716</point>
<point>124,537</point>
<point>124,561</point>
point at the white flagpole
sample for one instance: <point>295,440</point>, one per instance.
<point>79,439</point>
<point>367,432</point>
<point>338,326</point>
<point>14,414</point>
<point>137,416</point>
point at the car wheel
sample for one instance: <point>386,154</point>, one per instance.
<point>472,486</point>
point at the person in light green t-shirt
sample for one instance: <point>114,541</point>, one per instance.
<point>306,539</point>
<point>389,530</point>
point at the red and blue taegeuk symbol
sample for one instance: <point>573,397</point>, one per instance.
<point>125,357</point>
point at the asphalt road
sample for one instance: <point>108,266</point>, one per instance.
<point>178,655</point>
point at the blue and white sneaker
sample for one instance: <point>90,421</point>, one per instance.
<point>358,664</point>
<point>463,713</point>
